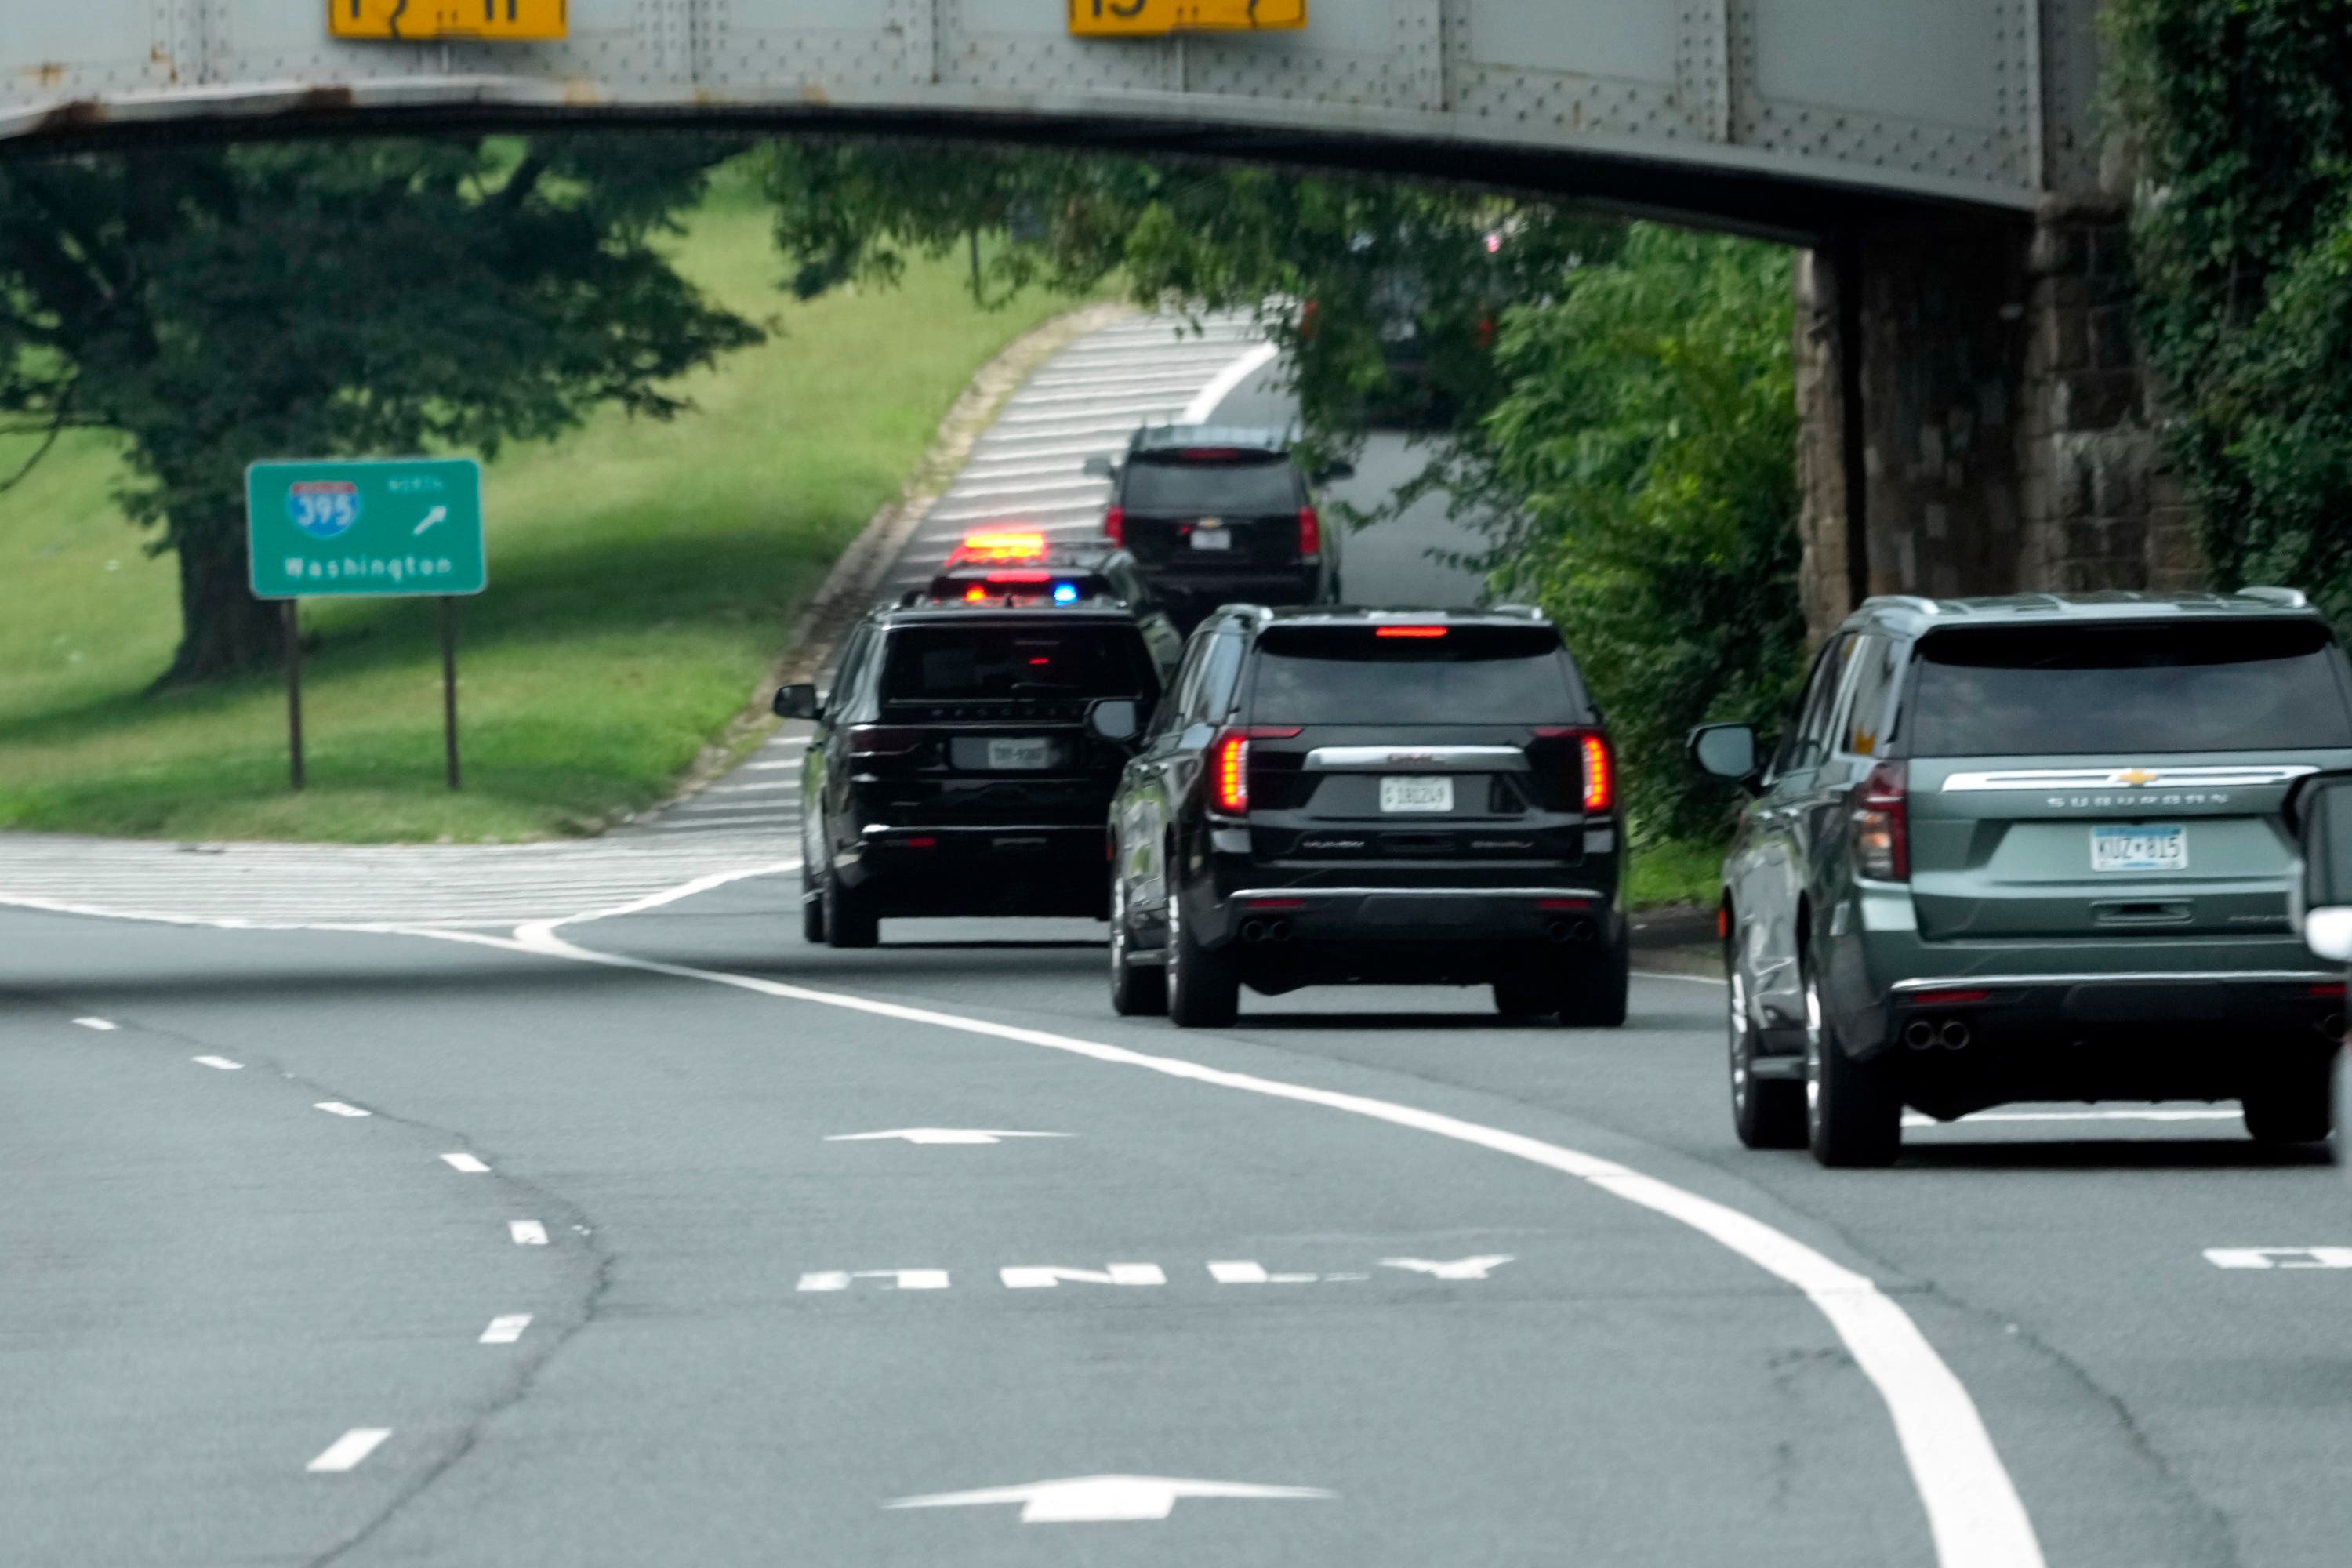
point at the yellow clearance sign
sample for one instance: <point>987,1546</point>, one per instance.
<point>1157,18</point>
<point>490,20</point>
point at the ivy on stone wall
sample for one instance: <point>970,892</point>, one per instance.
<point>2240,113</point>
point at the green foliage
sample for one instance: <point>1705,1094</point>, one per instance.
<point>216,305</point>
<point>1648,442</point>
<point>2242,112</point>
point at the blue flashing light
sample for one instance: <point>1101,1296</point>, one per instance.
<point>1065,592</point>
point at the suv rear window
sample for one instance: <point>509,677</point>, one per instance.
<point>997,663</point>
<point>1470,674</point>
<point>2243,686</point>
<point>1247,482</point>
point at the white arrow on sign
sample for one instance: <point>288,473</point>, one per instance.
<point>439,514</point>
<point>940,1135</point>
<point>1082,1500</point>
<point>1460,1268</point>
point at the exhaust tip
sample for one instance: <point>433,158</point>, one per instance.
<point>1277,931</point>
<point>1954,1034</point>
<point>1253,931</point>
<point>2332,1027</point>
<point>1918,1034</point>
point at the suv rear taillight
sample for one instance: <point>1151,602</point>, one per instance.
<point>1114,525</point>
<point>1881,831</point>
<point>882,740</point>
<point>1596,766</point>
<point>1229,766</point>
<point>1310,534</point>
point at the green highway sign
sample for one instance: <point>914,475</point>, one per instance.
<point>394,526</point>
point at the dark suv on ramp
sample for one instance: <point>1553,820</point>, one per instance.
<point>953,773</point>
<point>1215,515</point>
<point>2031,848</point>
<point>1392,796</point>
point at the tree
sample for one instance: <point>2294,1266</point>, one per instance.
<point>216,305</point>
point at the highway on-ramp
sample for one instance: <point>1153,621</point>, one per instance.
<point>656,1236</point>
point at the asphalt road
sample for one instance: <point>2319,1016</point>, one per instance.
<point>612,1270</point>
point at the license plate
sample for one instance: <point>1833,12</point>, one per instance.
<point>1022,753</point>
<point>1212,539</point>
<point>1420,794</point>
<point>2141,848</point>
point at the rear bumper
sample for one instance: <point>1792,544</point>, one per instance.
<point>1405,935</point>
<point>996,869</point>
<point>1254,586</point>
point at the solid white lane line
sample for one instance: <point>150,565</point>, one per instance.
<point>466,1163</point>
<point>100,1023</point>
<point>337,1108</point>
<point>506,1329</point>
<point>1205,402</point>
<point>348,1450</point>
<point>527,1232</point>
<point>671,895</point>
<point>221,1063</point>
<point>1973,1511</point>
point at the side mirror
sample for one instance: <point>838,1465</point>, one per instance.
<point>1727,752</point>
<point>2319,893</point>
<point>798,700</point>
<point>1099,466</point>
<point>1114,719</point>
<point>1329,471</point>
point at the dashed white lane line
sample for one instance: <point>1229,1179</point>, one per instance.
<point>346,1451</point>
<point>466,1163</point>
<point>527,1232</point>
<point>218,1064</point>
<point>506,1329</point>
<point>337,1108</point>
<point>1974,1514</point>
<point>97,1023</point>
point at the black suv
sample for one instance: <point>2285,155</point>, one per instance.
<point>1217,515</point>
<point>1337,795</point>
<point>952,772</point>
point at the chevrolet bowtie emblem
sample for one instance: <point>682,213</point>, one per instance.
<point>2136,776</point>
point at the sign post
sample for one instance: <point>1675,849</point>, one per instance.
<point>397,528</point>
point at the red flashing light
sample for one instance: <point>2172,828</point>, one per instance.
<point>998,547</point>
<point>1600,771</point>
<point>1020,576</point>
<point>1410,631</point>
<point>1946,998</point>
<point>975,594</point>
<point>1882,828</point>
<point>1114,525</point>
<point>1229,773</point>
<point>1311,535</point>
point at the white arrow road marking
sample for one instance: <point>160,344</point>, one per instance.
<point>1460,1268</point>
<point>219,1064</point>
<point>900,1278</point>
<point>1974,1514</point>
<point>466,1163</point>
<point>2279,1256</point>
<point>96,1022</point>
<point>439,514</point>
<point>527,1232</point>
<point>1084,1499</point>
<point>348,1450</point>
<point>1113,1274</point>
<point>1242,1271</point>
<point>337,1108</point>
<point>506,1329</point>
<point>940,1135</point>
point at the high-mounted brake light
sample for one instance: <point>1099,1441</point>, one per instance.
<point>1311,535</point>
<point>1600,771</point>
<point>1882,827</point>
<point>1409,632</point>
<point>997,547</point>
<point>1114,525</point>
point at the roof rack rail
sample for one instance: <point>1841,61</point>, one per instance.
<point>1926,606</point>
<point>2285,598</point>
<point>1532,612</point>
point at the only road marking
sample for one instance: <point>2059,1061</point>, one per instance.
<point>1091,1499</point>
<point>466,1163</point>
<point>337,1108</point>
<point>2279,1256</point>
<point>1460,1268</point>
<point>940,1135</point>
<point>219,1064</point>
<point>348,1450</point>
<point>506,1329</point>
<point>96,1022</point>
<point>527,1232</point>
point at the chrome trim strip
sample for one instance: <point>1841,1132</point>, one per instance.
<point>1428,758</point>
<point>2129,778</point>
<point>2283,976</point>
<point>873,829</point>
<point>1321,892</point>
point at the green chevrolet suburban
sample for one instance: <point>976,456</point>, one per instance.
<point>2031,848</point>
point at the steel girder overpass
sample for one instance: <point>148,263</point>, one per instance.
<point>1780,116</point>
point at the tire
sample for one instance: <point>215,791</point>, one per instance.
<point>1594,995</point>
<point>1766,1113</point>
<point>1853,1115</point>
<point>849,919</point>
<point>813,918</point>
<point>1136,991</point>
<point>2293,1102</point>
<point>1204,991</point>
<point>1526,999</point>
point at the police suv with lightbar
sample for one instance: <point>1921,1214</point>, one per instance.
<point>952,772</point>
